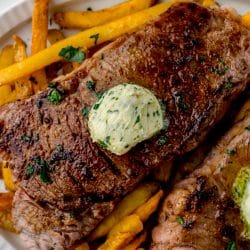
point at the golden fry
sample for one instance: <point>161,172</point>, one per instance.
<point>137,242</point>
<point>83,246</point>
<point>7,177</point>
<point>105,33</point>
<point>124,208</point>
<point>122,233</point>
<point>246,20</point>
<point>6,56</point>
<point>89,19</point>
<point>19,49</point>
<point>39,25</point>
<point>208,3</point>
<point>5,94</point>
<point>6,59</point>
<point>39,39</point>
<point>5,211</point>
<point>23,86</point>
<point>149,207</point>
<point>55,36</point>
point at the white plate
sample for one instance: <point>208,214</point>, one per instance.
<point>15,18</point>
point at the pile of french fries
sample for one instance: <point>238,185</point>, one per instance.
<point>22,76</point>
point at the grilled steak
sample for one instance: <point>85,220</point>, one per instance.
<point>195,60</point>
<point>199,213</point>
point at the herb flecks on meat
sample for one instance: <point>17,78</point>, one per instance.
<point>40,168</point>
<point>55,95</point>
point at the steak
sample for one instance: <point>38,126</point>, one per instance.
<point>194,59</point>
<point>199,212</point>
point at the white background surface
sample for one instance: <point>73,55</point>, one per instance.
<point>15,19</point>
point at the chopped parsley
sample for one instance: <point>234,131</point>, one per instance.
<point>137,119</point>
<point>72,54</point>
<point>54,96</point>
<point>247,128</point>
<point>99,95</point>
<point>112,111</point>
<point>228,85</point>
<point>96,106</point>
<point>182,104</point>
<point>107,139</point>
<point>85,111</point>
<point>162,140</point>
<point>90,85</point>
<point>103,144</point>
<point>180,220</point>
<point>231,245</point>
<point>231,152</point>
<point>39,167</point>
<point>221,70</point>
<point>44,176</point>
<point>25,138</point>
<point>95,37</point>
<point>71,214</point>
<point>29,170</point>
<point>59,147</point>
<point>201,58</point>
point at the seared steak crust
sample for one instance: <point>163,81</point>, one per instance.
<point>199,213</point>
<point>187,57</point>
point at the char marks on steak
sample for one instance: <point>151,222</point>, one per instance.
<point>187,57</point>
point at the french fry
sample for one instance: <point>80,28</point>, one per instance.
<point>149,207</point>
<point>6,201</point>
<point>54,36</point>
<point>89,19</point>
<point>208,3</point>
<point>105,33</point>
<point>19,49</point>
<point>39,25</point>
<point>122,233</point>
<point>6,56</point>
<point>137,241</point>
<point>5,94</point>
<point>7,177</point>
<point>5,211</point>
<point>83,246</point>
<point>6,59</point>
<point>39,39</point>
<point>23,86</point>
<point>129,204</point>
<point>246,19</point>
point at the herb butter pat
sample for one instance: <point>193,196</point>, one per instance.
<point>241,196</point>
<point>124,116</point>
